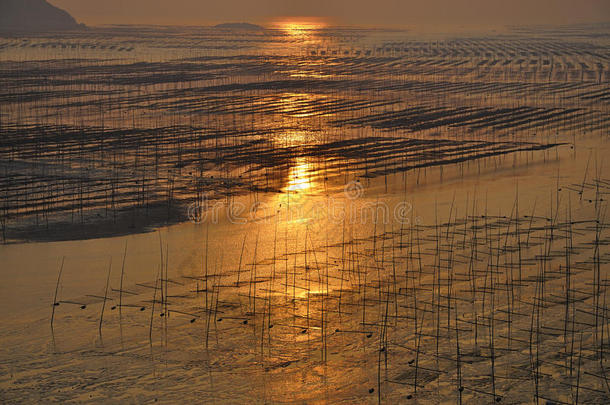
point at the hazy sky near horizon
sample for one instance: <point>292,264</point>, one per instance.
<point>349,12</point>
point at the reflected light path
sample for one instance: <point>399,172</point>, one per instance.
<point>298,198</point>
<point>299,178</point>
<point>300,27</point>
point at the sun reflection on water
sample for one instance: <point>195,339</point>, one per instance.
<point>299,105</point>
<point>298,193</point>
<point>300,27</point>
<point>300,177</point>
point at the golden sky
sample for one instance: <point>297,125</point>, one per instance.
<point>348,12</point>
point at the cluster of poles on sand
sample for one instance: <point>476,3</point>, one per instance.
<point>518,298</point>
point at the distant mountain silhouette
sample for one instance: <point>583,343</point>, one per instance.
<point>34,15</point>
<point>239,26</point>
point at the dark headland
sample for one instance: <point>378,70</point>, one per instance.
<point>34,15</point>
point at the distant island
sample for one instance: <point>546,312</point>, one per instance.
<point>239,26</point>
<point>34,15</point>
